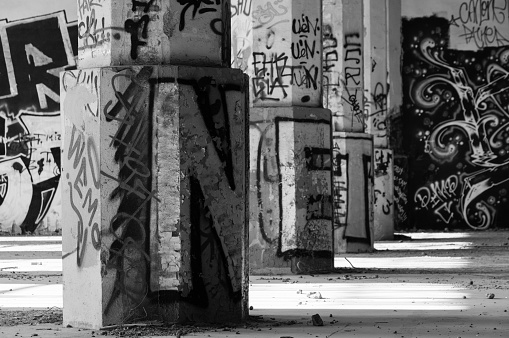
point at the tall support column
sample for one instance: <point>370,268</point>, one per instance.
<point>155,167</point>
<point>279,44</point>
<point>344,94</point>
<point>377,115</point>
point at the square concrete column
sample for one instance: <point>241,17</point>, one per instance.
<point>353,192</point>
<point>278,43</point>
<point>125,32</point>
<point>377,113</point>
<point>290,194</point>
<point>376,78</point>
<point>154,194</point>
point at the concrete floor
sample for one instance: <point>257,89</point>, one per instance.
<point>434,285</point>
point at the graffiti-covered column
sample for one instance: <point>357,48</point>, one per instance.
<point>344,87</point>
<point>377,119</point>
<point>154,166</point>
<point>278,43</point>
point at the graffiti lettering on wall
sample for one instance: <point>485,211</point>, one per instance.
<point>209,7</point>
<point>456,127</point>
<point>92,30</point>
<point>376,111</point>
<point>400,196</point>
<point>82,198</point>
<point>33,51</point>
<point>286,224</point>
<point>332,92</point>
<point>279,75</point>
<point>383,177</point>
<point>129,226</point>
<point>212,185</point>
<point>353,94</point>
<point>479,24</point>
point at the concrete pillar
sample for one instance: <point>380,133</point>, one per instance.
<point>138,32</point>
<point>154,170</point>
<point>353,192</point>
<point>346,79</point>
<point>377,114</point>
<point>279,44</point>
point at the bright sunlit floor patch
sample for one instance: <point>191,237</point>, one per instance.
<point>417,263</point>
<point>29,265</point>
<point>30,248</point>
<point>357,296</point>
<point>30,296</point>
<point>423,246</point>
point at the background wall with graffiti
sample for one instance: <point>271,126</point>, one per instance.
<point>456,116</point>
<point>33,51</point>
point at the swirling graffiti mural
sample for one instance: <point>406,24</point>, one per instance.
<point>33,51</point>
<point>456,110</point>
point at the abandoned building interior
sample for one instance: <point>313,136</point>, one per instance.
<point>184,154</point>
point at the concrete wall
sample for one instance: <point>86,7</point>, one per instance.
<point>155,192</point>
<point>455,70</point>
<point>33,50</point>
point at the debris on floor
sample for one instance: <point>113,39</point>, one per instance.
<point>317,320</point>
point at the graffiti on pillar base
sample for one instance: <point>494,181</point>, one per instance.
<point>285,224</point>
<point>456,128</point>
<point>383,176</point>
<point>400,196</point>
<point>128,255</point>
<point>340,189</point>
<point>212,191</point>
<point>33,51</point>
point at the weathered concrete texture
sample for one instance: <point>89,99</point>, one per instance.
<point>351,117</point>
<point>353,192</point>
<point>384,195</point>
<point>242,34</point>
<point>375,61</point>
<point>125,32</point>
<point>155,197</point>
<point>201,171</point>
<point>287,48</point>
<point>332,59</point>
<point>290,196</point>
